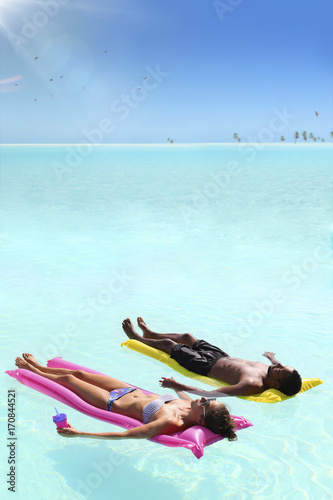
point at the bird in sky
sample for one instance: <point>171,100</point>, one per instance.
<point>316,113</point>
<point>51,80</point>
<point>145,77</point>
<point>36,58</point>
<point>105,51</point>
<point>35,99</point>
<point>61,76</point>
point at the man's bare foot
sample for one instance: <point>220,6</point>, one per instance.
<point>29,358</point>
<point>147,333</point>
<point>129,329</point>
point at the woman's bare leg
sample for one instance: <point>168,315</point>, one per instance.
<point>29,358</point>
<point>93,395</point>
<point>102,381</point>
<point>179,338</point>
<point>165,344</point>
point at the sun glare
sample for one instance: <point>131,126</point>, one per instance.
<point>17,6</point>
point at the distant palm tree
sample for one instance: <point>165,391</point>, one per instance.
<point>318,138</point>
<point>296,135</point>
<point>235,136</point>
<point>311,136</point>
<point>323,140</point>
<point>331,134</point>
<point>304,136</point>
<point>168,139</point>
<point>238,139</point>
<point>282,138</point>
<point>171,141</point>
<point>315,139</point>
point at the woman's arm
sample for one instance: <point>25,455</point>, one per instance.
<point>70,431</point>
<point>160,426</point>
<point>184,396</point>
<point>180,393</point>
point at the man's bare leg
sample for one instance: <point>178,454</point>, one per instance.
<point>179,338</point>
<point>165,344</point>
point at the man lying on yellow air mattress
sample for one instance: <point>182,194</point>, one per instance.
<point>251,379</point>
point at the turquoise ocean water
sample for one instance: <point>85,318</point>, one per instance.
<point>232,243</point>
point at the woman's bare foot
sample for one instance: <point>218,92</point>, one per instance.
<point>29,358</point>
<point>20,363</point>
<point>147,333</point>
<point>129,329</point>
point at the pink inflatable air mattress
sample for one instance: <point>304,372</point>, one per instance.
<point>195,438</point>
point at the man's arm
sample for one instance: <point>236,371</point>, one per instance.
<point>270,356</point>
<point>240,389</point>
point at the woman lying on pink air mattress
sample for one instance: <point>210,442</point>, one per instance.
<point>160,415</point>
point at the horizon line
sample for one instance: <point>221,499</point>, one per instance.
<point>281,143</point>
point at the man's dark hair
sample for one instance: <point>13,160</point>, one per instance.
<point>218,420</point>
<point>291,385</point>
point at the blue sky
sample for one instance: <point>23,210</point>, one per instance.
<point>205,70</point>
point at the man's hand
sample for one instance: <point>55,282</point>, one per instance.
<point>69,431</point>
<point>269,355</point>
<point>170,383</point>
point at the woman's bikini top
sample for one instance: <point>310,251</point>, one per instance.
<point>153,406</point>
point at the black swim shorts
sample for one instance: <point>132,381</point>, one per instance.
<point>198,359</point>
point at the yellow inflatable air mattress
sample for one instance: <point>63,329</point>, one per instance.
<point>268,396</point>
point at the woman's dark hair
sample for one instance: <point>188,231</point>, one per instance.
<point>291,385</point>
<point>218,420</point>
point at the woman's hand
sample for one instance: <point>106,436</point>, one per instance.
<point>69,431</point>
<point>170,383</point>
